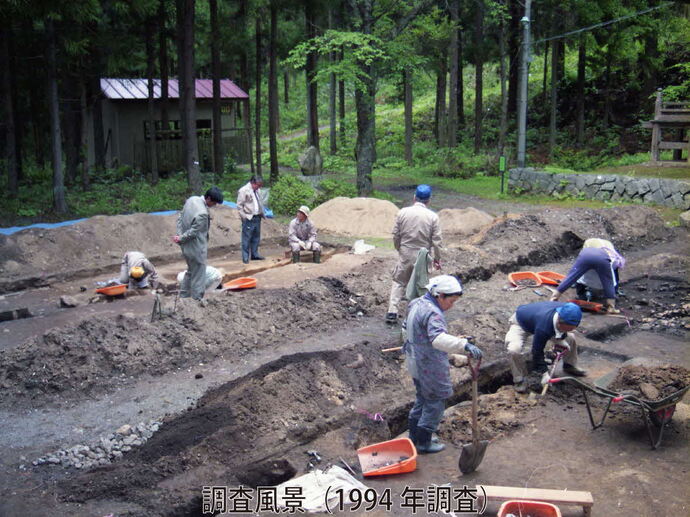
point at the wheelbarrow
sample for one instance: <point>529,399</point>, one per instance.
<point>655,413</point>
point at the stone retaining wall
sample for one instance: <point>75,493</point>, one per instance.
<point>603,187</point>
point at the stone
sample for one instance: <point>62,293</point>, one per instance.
<point>124,430</point>
<point>117,454</point>
<point>68,301</point>
<point>685,219</point>
<point>310,162</point>
<point>130,439</point>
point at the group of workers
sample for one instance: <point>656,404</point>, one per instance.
<point>427,342</point>
<point>193,224</point>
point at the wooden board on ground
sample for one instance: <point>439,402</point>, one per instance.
<point>514,493</point>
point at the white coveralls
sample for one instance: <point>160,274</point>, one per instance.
<point>415,227</point>
<point>304,231</point>
<point>138,259</point>
<point>212,278</point>
<point>192,227</point>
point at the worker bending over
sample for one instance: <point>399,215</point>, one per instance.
<point>212,278</point>
<point>415,227</point>
<point>193,226</point>
<point>137,271</point>
<point>545,321</point>
<point>302,235</point>
<point>597,260</point>
<point>427,345</point>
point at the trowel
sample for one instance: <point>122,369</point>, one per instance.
<point>472,454</point>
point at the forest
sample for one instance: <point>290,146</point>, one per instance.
<point>376,86</point>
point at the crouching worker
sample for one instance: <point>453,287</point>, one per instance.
<point>545,321</point>
<point>212,278</point>
<point>427,345</point>
<point>302,235</point>
<point>137,271</point>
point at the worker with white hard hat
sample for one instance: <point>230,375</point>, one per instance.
<point>302,235</point>
<point>137,271</point>
<point>427,345</point>
<point>416,227</point>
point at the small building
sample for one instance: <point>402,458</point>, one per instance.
<point>126,129</point>
<point>670,131</point>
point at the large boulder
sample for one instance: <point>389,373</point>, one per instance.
<point>685,219</point>
<point>310,162</point>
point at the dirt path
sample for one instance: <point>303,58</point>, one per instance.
<point>259,377</point>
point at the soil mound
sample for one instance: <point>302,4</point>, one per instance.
<point>360,217</point>
<point>39,256</point>
<point>651,383</point>
<point>463,221</point>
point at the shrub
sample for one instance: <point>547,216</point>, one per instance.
<point>328,189</point>
<point>289,193</point>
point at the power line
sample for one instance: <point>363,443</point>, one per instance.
<point>604,24</point>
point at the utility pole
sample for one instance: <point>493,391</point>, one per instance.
<point>524,78</point>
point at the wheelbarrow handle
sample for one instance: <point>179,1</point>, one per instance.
<point>555,380</point>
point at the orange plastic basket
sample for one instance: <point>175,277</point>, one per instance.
<point>589,306</point>
<point>113,290</point>
<point>531,508</point>
<point>392,457</point>
<point>525,279</point>
<point>550,277</point>
<point>246,282</point>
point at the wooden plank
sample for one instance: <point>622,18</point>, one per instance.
<point>673,145</point>
<point>508,493</point>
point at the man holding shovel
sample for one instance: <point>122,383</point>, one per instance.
<point>545,321</point>
<point>427,345</point>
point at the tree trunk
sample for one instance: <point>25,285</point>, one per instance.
<point>341,107</point>
<point>581,70</point>
<point>516,8</point>
<point>453,99</point>
<point>461,84</point>
<point>407,88</point>
<point>649,63</point>
<point>273,104</point>
<point>84,137</point>
<point>503,125</point>
<point>151,102</point>
<point>310,72</point>
<point>365,148</point>
<point>8,112</point>
<point>479,73</point>
<point>19,118</point>
<point>607,87</point>
<point>257,86</point>
<point>441,92</point>
<point>59,202</point>
<point>545,74</point>
<point>215,73</point>
<point>188,98</point>
<point>243,22</point>
<point>72,130</point>
<point>96,106</point>
<point>554,99</point>
<point>286,87</point>
<point>163,63</point>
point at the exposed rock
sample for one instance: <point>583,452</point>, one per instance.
<point>310,162</point>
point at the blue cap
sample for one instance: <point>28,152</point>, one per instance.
<point>569,314</point>
<point>423,192</point>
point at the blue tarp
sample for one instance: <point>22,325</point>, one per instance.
<point>48,226</point>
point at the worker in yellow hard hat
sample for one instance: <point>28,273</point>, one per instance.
<point>137,271</point>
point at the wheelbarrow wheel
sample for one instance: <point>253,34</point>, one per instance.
<point>662,416</point>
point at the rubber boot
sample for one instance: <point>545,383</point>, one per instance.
<point>317,257</point>
<point>295,257</point>
<point>412,424</point>
<point>610,306</point>
<point>424,443</point>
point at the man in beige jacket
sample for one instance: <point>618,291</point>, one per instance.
<point>415,227</point>
<point>251,210</point>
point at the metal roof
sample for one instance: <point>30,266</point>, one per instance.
<point>137,89</point>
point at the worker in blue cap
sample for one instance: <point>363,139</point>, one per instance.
<point>416,228</point>
<point>545,321</point>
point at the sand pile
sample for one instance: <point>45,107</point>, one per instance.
<point>463,221</point>
<point>360,217</point>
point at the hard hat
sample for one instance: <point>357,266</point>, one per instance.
<point>444,284</point>
<point>136,272</point>
<point>304,209</point>
<point>423,192</point>
<point>569,313</point>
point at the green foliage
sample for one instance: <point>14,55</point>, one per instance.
<point>329,188</point>
<point>289,193</point>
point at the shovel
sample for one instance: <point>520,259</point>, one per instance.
<point>472,454</point>
<point>559,355</point>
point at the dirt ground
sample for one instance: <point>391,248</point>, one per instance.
<point>244,386</point>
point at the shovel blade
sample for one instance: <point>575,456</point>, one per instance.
<point>471,456</point>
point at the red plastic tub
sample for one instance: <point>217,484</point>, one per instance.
<point>531,508</point>
<point>392,457</point>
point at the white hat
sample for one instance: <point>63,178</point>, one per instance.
<point>304,209</point>
<point>444,284</point>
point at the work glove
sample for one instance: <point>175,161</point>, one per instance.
<point>555,296</point>
<point>437,264</point>
<point>562,346</point>
<point>473,351</point>
<point>458,360</point>
<point>307,245</point>
<point>302,245</point>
